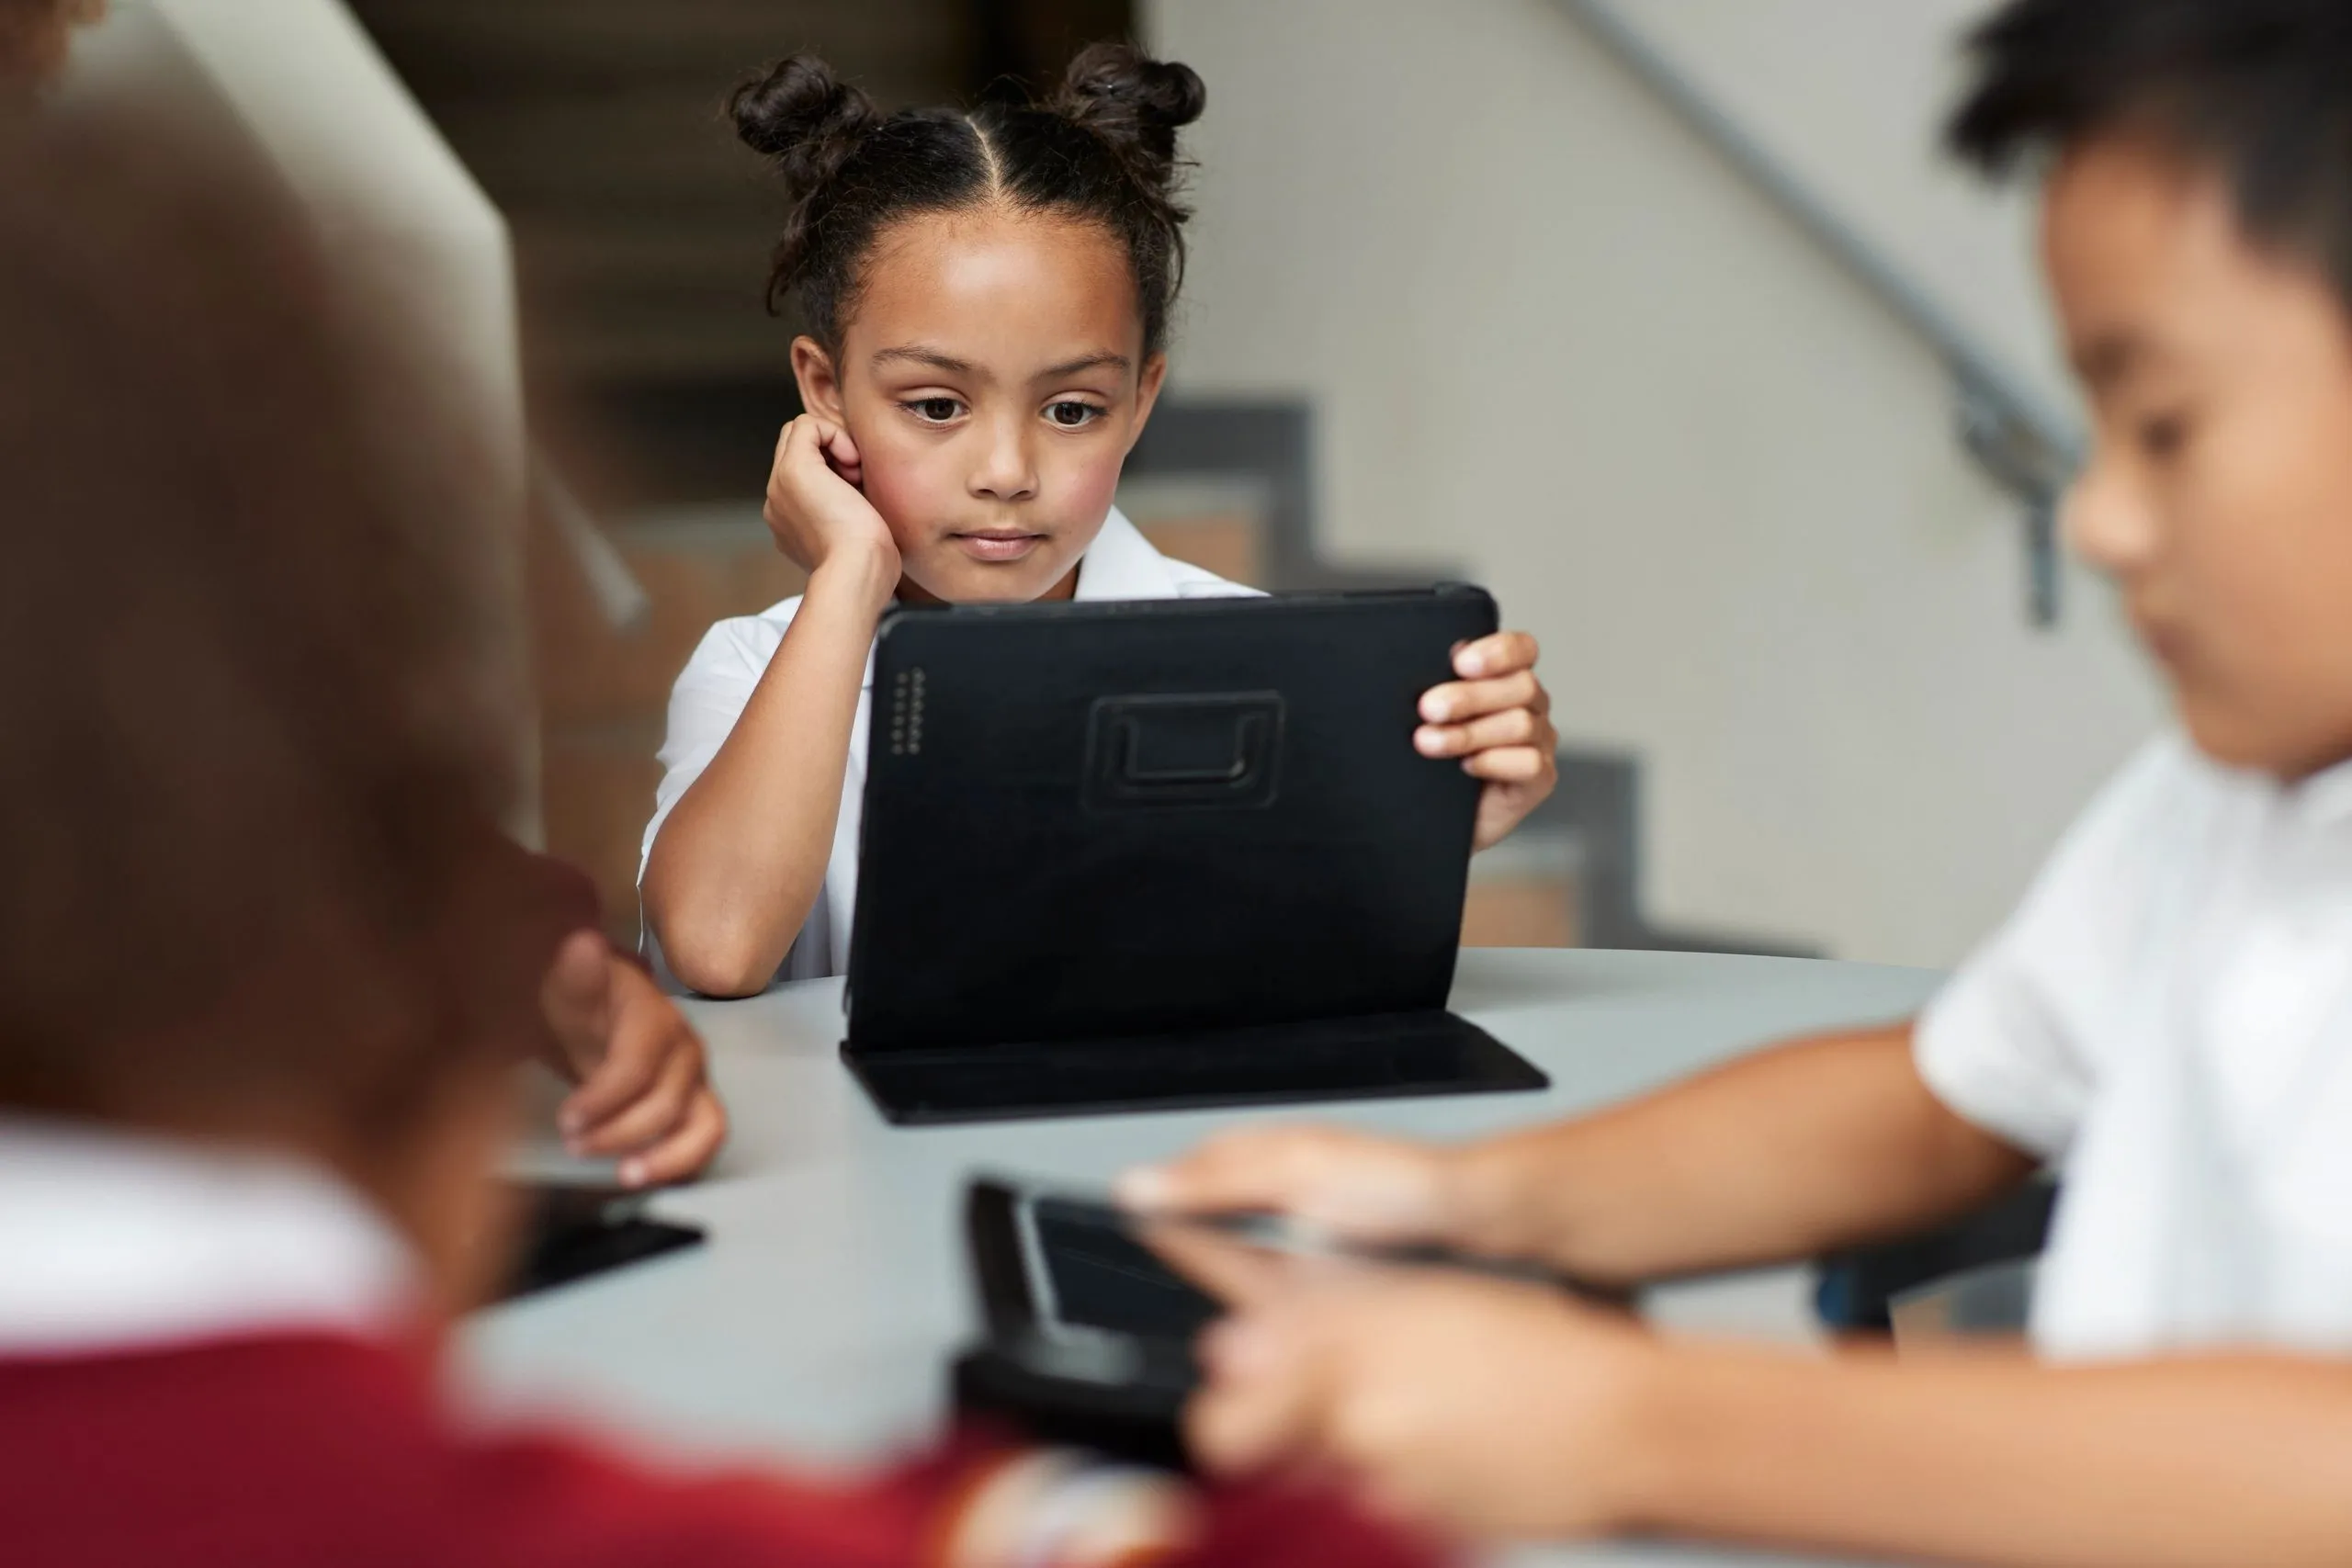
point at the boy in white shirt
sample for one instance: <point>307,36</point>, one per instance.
<point>2168,1018</point>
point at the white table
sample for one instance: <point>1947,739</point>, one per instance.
<point>818,1321</point>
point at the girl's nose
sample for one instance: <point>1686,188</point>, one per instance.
<point>1005,472</point>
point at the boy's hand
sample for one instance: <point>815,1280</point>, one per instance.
<point>815,508</point>
<point>1074,1512</point>
<point>644,1098</point>
<point>1473,1408</point>
<point>1365,1187</point>
<point>1498,719</point>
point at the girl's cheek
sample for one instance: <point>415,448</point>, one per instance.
<point>910,492</point>
<point>1089,484</point>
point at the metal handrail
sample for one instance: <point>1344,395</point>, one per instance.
<point>2022,442</point>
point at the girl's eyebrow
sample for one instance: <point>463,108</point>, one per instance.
<point>933,360</point>
<point>1103,361</point>
<point>926,356</point>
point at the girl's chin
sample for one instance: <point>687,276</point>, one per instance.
<point>958,580</point>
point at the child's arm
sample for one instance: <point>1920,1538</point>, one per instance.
<point>739,863</point>
<point>1495,1411</point>
<point>1778,1156</point>
<point>2215,1461</point>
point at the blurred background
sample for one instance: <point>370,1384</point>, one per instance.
<point>1659,317</point>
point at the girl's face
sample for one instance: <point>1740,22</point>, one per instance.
<point>994,381</point>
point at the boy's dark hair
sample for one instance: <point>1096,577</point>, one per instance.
<point>1103,149</point>
<point>249,781</point>
<point>2261,90</point>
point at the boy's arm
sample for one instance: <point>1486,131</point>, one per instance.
<point>1492,1411</point>
<point>737,864</point>
<point>2212,1463</point>
<point>1778,1156</point>
<point>1782,1155</point>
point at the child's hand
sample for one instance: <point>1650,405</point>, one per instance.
<point>1356,1184</point>
<point>815,508</point>
<point>1498,719</point>
<point>1074,1512</point>
<point>644,1098</point>
<point>1473,1409</point>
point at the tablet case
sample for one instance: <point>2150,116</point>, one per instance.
<point>1142,856</point>
<point>1127,1402</point>
<point>1122,1389</point>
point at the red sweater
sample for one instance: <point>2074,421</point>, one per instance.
<point>314,1452</point>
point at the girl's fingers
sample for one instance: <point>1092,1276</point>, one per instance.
<point>1501,654</point>
<point>1520,727</point>
<point>1460,700</point>
<point>1508,765</point>
<point>818,443</point>
<point>839,448</point>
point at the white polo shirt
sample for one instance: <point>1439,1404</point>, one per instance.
<point>717,686</point>
<point>2169,1017</point>
<point>115,1243</point>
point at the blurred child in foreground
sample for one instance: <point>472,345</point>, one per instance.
<point>266,963</point>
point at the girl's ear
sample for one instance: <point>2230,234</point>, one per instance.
<point>1148,385</point>
<point>821,385</point>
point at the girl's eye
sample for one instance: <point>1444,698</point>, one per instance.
<point>1072,415</point>
<point>935,410</point>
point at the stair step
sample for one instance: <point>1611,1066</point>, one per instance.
<point>1218,522</point>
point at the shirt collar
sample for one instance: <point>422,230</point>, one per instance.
<point>1120,564</point>
<point>110,1241</point>
<point>2325,799</point>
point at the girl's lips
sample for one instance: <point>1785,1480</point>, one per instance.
<point>997,547</point>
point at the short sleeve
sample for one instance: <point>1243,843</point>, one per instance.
<point>710,694</point>
<point>2014,1042</point>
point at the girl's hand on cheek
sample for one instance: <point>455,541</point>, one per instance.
<point>816,510</point>
<point>1498,719</point>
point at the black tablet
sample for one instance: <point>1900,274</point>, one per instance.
<point>1089,1336</point>
<point>1126,856</point>
<point>570,1232</point>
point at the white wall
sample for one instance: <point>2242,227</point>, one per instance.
<point>1551,336</point>
<point>422,281</point>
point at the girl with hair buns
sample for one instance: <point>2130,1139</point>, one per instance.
<point>987,296</point>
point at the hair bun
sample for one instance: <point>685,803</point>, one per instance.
<point>804,117</point>
<point>1135,103</point>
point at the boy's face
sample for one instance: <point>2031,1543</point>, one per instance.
<point>2218,493</point>
<point>994,381</point>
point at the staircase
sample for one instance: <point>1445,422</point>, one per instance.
<point>642,231</point>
